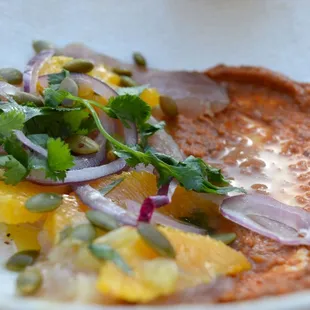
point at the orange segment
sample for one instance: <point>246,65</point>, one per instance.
<point>135,186</point>
<point>199,259</point>
<point>25,236</point>
<point>54,65</point>
<point>13,198</point>
<point>139,185</point>
<point>100,72</point>
<point>150,96</point>
<point>68,214</point>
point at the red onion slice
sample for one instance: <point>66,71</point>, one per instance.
<point>80,176</point>
<point>158,218</point>
<point>269,217</point>
<point>27,142</point>
<point>98,86</point>
<point>151,203</point>
<point>95,200</point>
<point>33,67</point>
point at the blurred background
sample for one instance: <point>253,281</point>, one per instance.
<point>172,34</point>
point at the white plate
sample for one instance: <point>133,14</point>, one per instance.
<point>172,34</point>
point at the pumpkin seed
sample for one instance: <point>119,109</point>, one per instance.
<point>43,202</point>
<point>83,232</point>
<point>122,71</point>
<point>127,81</point>
<point>65,233</point>
<point>155,239</point>
<point>101,220</point>
<point>106,189</point>
<point>23,97</point>
<point>139,59</point>
<point>226,238</point>
<point>28,282</point>
<point>20,260</point>
<point>168,106</point>
<point>106,252</point>
<point>79,65</point>
<point>70,86</point>
<point>82,145</point>
<point>41,45</point>
<point>11,75</point>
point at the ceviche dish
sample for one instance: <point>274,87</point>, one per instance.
<point>122,184</point>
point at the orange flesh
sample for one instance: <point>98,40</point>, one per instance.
<point>262,142</point>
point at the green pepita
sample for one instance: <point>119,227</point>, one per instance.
<point>28,282</point>
<point>43,202</point>
<point>11,75</point>
<point>122,71</point>
<point>226,238</point>
<point>20,260</point>
<point>70,86</point>
<point>65,233</point>
<point>139,59</point>
<point>82,145</point>
<point>83,232</point>
<point>168,106</point>
<point>79,65</point>
<point>101,220</point>
<point>127,81</point>
<point>156,240</point>
<point>23,98</point>
<point>106,252</point>
<point>41,45</point>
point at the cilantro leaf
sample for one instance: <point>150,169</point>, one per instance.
<point>55,79</point>
<point>146,130</point>
<point>53,98</point>
<point>39,139</point>
<point>14,171</point>
<point>10,121</point>
<point>59,158</point>
<point>75,118</point>
<point>128,108</point>
<point>137,90</point>
<point>15,148</point>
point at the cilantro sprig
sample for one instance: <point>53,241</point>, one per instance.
<point>192,173</point>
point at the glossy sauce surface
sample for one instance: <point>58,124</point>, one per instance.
<point>262,143</point>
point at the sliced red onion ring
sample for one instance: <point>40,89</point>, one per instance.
<point>95,200</point>
<point>99,87</point>
<point>80,176</point>
<point>269,217</point>
<point>33,67</point>
<point>158,218</point>
<point>151,203</point>
<point>27,142</point>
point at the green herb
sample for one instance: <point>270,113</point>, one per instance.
<point>110,186</point>
<point>75,119</point>
<point>192,173</point>
<point>106,252</point>
<point>14,170</point>
<point>9,121</point>
<point>136,91</point>
<point>55,79</point>
<point>39,139</point>
<point>15,148</point>
<point>59,159</point>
